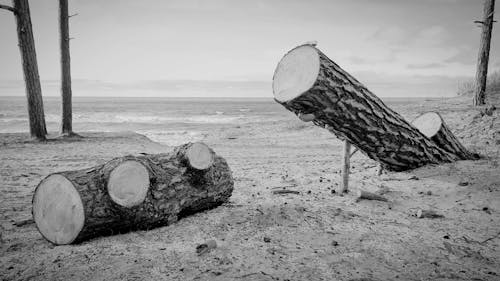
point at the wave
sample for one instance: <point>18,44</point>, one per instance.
<point>196,119</point>
<point>173,138</point>
<point>15,118</point>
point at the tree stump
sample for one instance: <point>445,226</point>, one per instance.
<point>307,82</point>
<point>131,192</point>
<point>432,125</point>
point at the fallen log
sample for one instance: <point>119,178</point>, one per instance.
<point>131,192</point>
<point>307,82</point>
<point>432,125</point>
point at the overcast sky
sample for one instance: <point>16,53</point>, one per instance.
<point>426,43</point>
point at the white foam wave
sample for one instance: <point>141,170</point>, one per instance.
<point>173,138</point>
<point>151,119</point>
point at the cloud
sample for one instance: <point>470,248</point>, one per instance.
<point>466,55</point>
<point>389,57</point>
<point>432,36</point>
<point>390,34</point>
<point>424,65</point>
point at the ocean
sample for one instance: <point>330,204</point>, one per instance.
<point>171,121</point>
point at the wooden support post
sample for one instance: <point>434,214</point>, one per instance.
<point>346,166</point>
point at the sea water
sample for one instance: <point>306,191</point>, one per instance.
<point>171,121</point>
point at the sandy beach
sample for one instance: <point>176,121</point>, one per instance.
<point>314,235</point>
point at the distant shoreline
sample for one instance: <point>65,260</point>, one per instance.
<point>215,98</point>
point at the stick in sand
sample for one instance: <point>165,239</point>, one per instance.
<point>345,166</point>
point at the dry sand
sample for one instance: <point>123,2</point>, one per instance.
<point>314,235</point>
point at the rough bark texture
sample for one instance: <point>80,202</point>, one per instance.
<point>175,191</point>
<point>348,109</point>
<point>30,70</point>
<point>484,53</point>
<point>67,118</point>
<point>445,139</point>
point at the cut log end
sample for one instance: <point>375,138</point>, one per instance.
<point>199,156</point>
<point>58,210</point>
<point>428,123</point>
<point>431,125</point>
<point>296,73</point>
<point>128,183</point>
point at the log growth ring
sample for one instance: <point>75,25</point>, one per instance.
<point>128,183</point>
<point>199,156</point>
<point>58,210</point>
<point>428,123</point>
<point>296,73</point>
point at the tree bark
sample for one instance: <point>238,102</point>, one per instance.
<point>484,53</point>
<point>432,125</point>
<point>83,207</point>
<point>30,69</point>
<point>347,108</point>
<point>66,95</point>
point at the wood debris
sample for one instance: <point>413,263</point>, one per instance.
<point>365,195</point>
<point>206,247</point>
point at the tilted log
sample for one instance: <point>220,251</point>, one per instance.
<point>132,192</point>
<point>307,82</point>
<point>432,125</point>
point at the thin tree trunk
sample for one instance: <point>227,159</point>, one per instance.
<point>30,69</point>
<point>67,118</point>
<point>484,53</point>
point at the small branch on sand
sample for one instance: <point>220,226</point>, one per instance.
<point>365,195</point>
<point>428,214</point>
<point>24,222</point>
<point>285,191</point>
<point>283,186</point>
<point>491,238</point>
<point>255,273</point>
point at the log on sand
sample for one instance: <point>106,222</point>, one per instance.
<point>432,125</point>
<point>306,81</point>
<point>132,192</point>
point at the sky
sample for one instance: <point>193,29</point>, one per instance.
<point>231,47</point>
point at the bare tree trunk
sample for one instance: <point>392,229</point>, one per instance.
<point>484,53</point>
<point>67,118</point>
<point>30,69</point>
